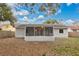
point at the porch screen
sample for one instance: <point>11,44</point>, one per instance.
<point>39,31</point>
<point>30,31</point>
<point>48,31</point>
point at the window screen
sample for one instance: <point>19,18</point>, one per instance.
<point>39,31</point>
<point>30,31</point>
<point>48,31</point>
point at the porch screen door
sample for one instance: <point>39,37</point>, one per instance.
<point>39,31</point>
<point>30,31</point>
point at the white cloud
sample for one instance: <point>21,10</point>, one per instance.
<point>40,17</point>
<point>22,12</point>
<point>68,4</point>
<point>37,19</point>
<point>59,11</point>
<point>13,6</point>
<point>69,22</point>
<point>32,20</point>
<point>25,18</point>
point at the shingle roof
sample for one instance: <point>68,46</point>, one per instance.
<point>74,27</point>
<point>48,25</point>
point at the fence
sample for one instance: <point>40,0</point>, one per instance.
<point>6,34</point>
<point>73,34</point>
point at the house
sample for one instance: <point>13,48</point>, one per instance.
<point>73,28</point>
<point>41,32</point>
<point>73,31</point>
<point>6,26</point>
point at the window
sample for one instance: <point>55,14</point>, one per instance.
<point>60,30</point>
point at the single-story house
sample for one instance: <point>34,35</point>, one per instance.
<point>73,28</point>
<point>41,32</point>
<point>73,31</point>
<point>6,26</point>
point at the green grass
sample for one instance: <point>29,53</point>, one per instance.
<point>66,47</point>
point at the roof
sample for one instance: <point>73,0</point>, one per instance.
<point>74,27</point>
<point>37,25</point>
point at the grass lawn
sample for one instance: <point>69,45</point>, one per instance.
<point>12,46</point>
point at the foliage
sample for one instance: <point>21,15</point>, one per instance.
<point>6,14</point>
<point>48,8</point>
<point>50,21</point>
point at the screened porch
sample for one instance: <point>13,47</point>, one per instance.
<point>39,31</point>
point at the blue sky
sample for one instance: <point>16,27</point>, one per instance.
<point>67,12</point>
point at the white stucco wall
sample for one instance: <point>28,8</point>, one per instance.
<point>60,35</point>
<point>39,38</point>
<point>20,33</point>
<point>77,30</point>
<point>70,30</point>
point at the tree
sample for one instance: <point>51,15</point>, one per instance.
<point>51,22</point>
<point>47,8</point>
<point>6,14</point>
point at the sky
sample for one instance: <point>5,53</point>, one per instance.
<point>67,13</point>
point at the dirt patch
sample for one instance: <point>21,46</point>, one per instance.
<point>19,47</point>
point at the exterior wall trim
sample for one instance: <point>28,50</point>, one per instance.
<point>39,38</point>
